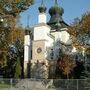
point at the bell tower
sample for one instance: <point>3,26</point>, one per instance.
<point>42,15</point>
<point>41,38</point>
<point>27,46</point>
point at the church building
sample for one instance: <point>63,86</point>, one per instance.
<point>47,39</point>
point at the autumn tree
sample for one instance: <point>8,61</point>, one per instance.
<point>9,10</point>
<point>18,32</point>
<point>5,29</point>
<point>14,7</point>
<point>64,66</point>
<point>80,31</point>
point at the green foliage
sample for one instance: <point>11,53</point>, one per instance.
<point>87,76</point>
<point>9,9</point>
<point>18,69</point>
<point>80,32</point>
<point>7,38</point>
<point>3,59</point>
<point>14,7</point>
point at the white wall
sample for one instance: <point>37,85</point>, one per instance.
<point>41,32</point>
<point>62,36</point>
<point>48,44</point>
<point>42,18</point>
<point>27,54</point>
<point>27,40</point>
<point>27,48</point>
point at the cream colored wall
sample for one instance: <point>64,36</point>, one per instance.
<point>63,36</point>
<point>36,45</point>
<point>41,32</point>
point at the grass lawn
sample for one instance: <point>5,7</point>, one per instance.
<point>3,85</point>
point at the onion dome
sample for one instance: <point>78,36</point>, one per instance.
<point>42,8</point>
<point>56,9</point>
<point>27,30</point>
<point>56,20</point>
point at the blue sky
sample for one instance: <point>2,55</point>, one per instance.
<point>72,10</point>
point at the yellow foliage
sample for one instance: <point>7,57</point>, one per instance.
<point>17,33</point>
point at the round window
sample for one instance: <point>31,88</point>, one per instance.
<point>39,50</point>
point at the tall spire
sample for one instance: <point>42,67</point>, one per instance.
<point>27,29</point>
<point>56,2</point>
<point>42,3</point>
<point>28,18</point>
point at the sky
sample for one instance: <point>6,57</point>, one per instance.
<point>72,10</point>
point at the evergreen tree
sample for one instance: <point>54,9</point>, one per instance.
<point>18,69</point>
<point>15,51</point>
<point>86,76</point>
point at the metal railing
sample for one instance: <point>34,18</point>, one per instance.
<point>44,84</point>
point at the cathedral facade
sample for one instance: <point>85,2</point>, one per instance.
<point>47,40</point>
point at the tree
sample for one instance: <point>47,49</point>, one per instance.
<point>6,26</point>
<point>14,7</point>
<point>18,32</point>
<point>8,13</point>
<point>80,30</point>
<point>16,50</point>
<point>81,38</point>
<point>12,45</point>
<point>78,69</point>
<point>18,69</point>
<point>3,59</point>
<point>65,66</point>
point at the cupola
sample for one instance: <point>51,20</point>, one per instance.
<point>56,9</point>
<point>56,20</point>
<point>42,8</point>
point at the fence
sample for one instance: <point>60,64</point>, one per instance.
<point>44,84</point>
